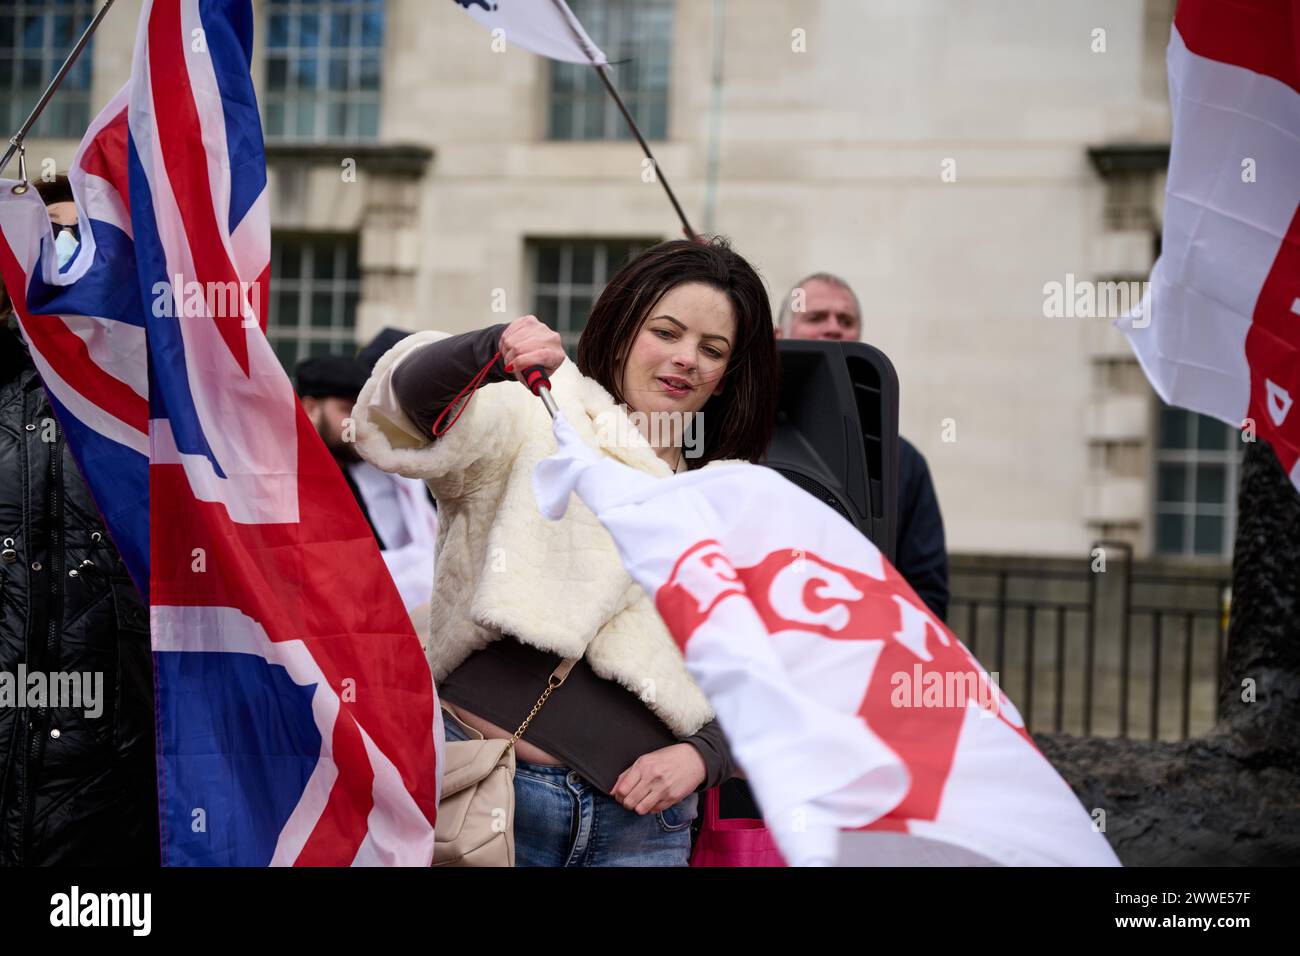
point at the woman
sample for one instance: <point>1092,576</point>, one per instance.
<point>608,770</point>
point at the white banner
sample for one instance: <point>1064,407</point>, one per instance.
<point>547,27</point>
<point>848,705</point>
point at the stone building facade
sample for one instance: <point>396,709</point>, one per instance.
<point>951,161</point>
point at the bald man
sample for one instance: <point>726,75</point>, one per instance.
<point>823,306</point>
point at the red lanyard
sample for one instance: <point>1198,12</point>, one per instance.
<point>467,390</point>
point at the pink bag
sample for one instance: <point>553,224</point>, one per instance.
<point>733,842</point>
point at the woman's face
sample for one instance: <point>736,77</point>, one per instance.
<point>678,357</point>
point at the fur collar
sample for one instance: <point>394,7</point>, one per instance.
<point>608,425</point>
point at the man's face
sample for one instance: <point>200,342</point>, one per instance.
<point>828,313</point>
<point>63,222</point>
<point>329,415</point>
<point>62,213</point>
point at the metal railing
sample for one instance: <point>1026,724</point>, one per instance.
<point>1108,650</point>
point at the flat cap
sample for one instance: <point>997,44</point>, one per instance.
<point>330,376</point>
<point>376,347</point>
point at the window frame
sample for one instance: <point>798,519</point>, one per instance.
<point>340,333</point>
<point>564,292</point>
<point>322,96</point>
<point>72,104</point>
<point>622,36</point>
<point>1189,459</point>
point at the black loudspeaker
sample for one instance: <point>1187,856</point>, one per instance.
<point>836,438</point>
<point>836,433</point>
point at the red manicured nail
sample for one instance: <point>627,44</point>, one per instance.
<point>510,368</point>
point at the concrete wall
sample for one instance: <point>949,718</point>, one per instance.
<point>829,159</point>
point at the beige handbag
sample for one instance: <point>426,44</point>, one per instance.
<point>476,815</point>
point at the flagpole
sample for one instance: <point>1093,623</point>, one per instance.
<point>645,147</point>
<point>570,19</point>
<point>16,142</point>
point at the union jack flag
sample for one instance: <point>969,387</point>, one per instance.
<point>297,722</point>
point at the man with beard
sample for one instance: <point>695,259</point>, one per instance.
<point>398,509</point>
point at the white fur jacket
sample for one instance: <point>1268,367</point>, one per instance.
<point>502,568</point>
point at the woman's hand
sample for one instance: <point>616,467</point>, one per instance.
<point>660,779</point>
<point>527,342</point>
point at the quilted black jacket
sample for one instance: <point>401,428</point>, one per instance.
<point>75,789</point>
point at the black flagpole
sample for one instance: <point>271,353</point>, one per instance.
<point>645,147</point>
<point>569,19</point>
<point>16,142</point>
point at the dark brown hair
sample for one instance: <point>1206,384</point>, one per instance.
<point>738,422</point>
<point>55,190</point>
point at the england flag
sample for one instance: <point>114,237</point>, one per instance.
<point>868,733</point>
<point>297,721</point>
<point>1220,332</point>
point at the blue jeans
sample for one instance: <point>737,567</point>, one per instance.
<point>561,819</point>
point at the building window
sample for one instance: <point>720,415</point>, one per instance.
<point>1198,464</point>
<point>35,38</point>
<point>1131,200</point>
<point>637,37</point>
<point>315,287</point>
<point>323,61</point>
<point>568,275</point>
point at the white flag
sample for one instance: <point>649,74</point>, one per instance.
<point>849,707</point>
<point>547,27</point>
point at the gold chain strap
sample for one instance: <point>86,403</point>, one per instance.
<point>557,678</point>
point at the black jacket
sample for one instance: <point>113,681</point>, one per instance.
<point>922,557</point>
<point>74,789</point>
